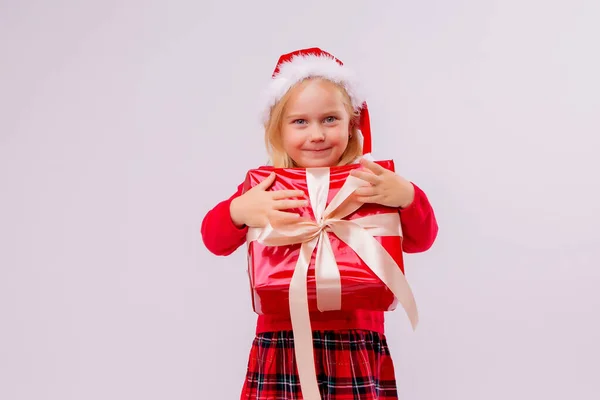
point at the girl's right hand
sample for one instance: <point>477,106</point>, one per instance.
<point>257,206</point>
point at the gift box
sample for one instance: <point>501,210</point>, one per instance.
<point>339,255</point>
<point>345,280</point>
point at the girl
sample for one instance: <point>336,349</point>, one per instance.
<point>315,117</point>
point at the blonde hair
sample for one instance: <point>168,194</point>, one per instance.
<point>273,142</point>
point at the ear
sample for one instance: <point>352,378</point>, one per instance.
<point>353,125</point>
<point>354,122</point>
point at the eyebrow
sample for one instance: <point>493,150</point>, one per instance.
<point>303,115</point>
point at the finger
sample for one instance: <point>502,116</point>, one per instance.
<point>372,166</point>
<point>366,191</point>
<point>287,204</point>
<point>284,194</point>
<point>367,176</point>
<point>369,199</point>
<point>282,217</point>
<point>267,182</point>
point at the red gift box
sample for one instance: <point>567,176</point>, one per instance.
<point>271,267</point>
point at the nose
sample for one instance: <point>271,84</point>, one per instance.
<point>317,134</point>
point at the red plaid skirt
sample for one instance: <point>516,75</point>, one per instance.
<point>351,365</point>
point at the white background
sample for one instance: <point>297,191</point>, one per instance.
<point>123,122</point>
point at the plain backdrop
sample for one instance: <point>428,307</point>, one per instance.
<point>123,122</point>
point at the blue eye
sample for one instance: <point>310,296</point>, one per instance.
<point>330,120</point>
<point>299,121</point>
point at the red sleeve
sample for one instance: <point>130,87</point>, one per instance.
<point>419,225</point>
<point>220,235</point>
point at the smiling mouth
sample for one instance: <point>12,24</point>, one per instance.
<point>318,150</point>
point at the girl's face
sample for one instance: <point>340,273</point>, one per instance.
<point>315,124</point>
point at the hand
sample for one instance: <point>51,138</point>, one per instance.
<point>257,207</point>
<point>386,188</point>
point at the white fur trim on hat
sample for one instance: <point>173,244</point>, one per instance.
<point>301,67</point>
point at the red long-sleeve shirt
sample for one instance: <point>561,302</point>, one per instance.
<point>419,229</point>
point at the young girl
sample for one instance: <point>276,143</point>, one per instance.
<point>315,117</point>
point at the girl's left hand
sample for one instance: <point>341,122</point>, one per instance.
<point>387,188</point>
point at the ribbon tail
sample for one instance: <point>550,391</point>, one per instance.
<point>327,276</point>
<point>381,263</point>
<point>303,341</point>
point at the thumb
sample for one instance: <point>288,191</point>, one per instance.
<point>267,182</point>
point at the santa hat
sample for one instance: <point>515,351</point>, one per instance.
<point>294,67</point>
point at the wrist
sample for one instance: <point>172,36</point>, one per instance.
<point>409,198</point>
<point>235,214</point>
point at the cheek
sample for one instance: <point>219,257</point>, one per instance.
<point>291,138</point>
<point>339,137</point>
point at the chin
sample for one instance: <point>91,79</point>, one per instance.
<point>328,159</point>
<point>316,163</point>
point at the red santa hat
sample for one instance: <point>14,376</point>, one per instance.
<point>294,67</point>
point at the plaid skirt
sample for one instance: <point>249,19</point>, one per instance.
<point>350,365</point>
